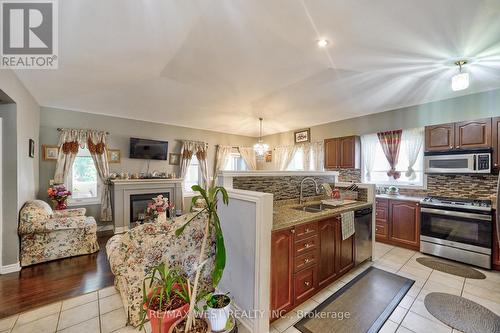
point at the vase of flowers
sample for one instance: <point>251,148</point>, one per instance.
<point>59,196</point>
<point>157,209</point>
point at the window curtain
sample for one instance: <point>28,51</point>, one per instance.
<point>221,154</point>
<point>198,148</point>
<point>369,144</point>
<point>201,155</point>
<point>70,141</point>
<point>391,142</point>
<point>96,144</point>
<point>283,156</point>
<point>248,155</point>
<point>313,156</point>
<point>413,140</point>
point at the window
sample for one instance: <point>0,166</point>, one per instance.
<point>83,180</point>
<point>297,163</point>
<point>308,157</point>
<point>378,175</point>
<point>234,162</point>
<point>192,175</point>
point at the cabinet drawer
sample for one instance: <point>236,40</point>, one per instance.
<point>381,229</point>
<point>381,202</point>
<point>305,283</point>
<point>306,245</point>
<point>306,260</point>
<point>381,213</point>
<point>306,230</point>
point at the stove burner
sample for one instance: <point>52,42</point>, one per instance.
<point>458,202</point>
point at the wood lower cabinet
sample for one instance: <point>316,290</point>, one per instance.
<point>495,138</point>
<point>496,246</point>
<point>472,134</point>
<point>398,223</point>
<point>282,284</point>
<point>343,152</point>
<point>305,259</point>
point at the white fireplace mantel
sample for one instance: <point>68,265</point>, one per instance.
<point>122,189</point>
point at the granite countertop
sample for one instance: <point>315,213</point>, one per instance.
<point>401,197</point>
<point>285,216</point>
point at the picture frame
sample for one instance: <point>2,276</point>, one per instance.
<point>268,156</point>
<point>174,159</point>
<point>302,136</point>
<point>50,152</point>
<point>114,155</point>
<point>31,152</point>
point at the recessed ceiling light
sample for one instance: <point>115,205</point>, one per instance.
<point>322,43</point>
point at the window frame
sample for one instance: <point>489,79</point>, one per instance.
<point>189,191</point>
<point>72,202</point>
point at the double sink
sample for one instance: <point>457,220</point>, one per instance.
<point>315,208</point>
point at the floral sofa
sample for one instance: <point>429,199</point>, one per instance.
<point>133,254</point>
<point>48,235</point>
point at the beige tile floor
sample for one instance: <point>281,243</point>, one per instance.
<point>102,311</point>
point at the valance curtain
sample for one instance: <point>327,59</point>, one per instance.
<point>70,141</point>
<point>369,144</point>
<point>413,140</point>
<point>283,156</point>
<point>248,155</point>
<point>391,142</point>
<point>221,154</point>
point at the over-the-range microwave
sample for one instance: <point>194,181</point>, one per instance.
<point>456,162</point>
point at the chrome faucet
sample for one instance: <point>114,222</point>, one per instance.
<point>301,199</point>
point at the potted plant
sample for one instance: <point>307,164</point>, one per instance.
<point>167,300</point>
<point>217,309</point>
<point>199,324</point>
<point>59,195</point>
<point>157,209</point>
<point>210,198</point>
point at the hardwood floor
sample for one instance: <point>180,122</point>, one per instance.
<point>53,281</point>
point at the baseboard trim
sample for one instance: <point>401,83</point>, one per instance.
<point>120,230</point>
<point>10,268</point>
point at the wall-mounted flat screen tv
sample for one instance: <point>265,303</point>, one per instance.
<point>148,149</point>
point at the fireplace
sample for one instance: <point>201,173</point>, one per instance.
<point>139,203</point>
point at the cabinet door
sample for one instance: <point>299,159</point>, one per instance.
<point>496,141</point>
<point>440,137</point>
<point>327,252</point>
<point>496,246</point>
<point>345,250</point>
<point>305,284</point>
<point>332,153</point>
<point>282,294</point>
<point>404,223</point>
<point>473,134</point>
<point>347,152</point>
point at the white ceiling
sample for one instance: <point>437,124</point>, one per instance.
<point>221,64</point>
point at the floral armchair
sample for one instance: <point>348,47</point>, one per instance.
<point>133,254</point>
<point>48,235</point>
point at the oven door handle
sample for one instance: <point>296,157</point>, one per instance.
<point>457,214</point>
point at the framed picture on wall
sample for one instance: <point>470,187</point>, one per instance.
<point>114,156</point>
<point>49,152</point>
<point>302,136</point>
<point>269,156</point>
<point>31,148</point>
<point>174,159</point>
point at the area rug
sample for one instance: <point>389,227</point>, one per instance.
<point>461,313</point>
<point>451,268</point>
<point>362,305</point>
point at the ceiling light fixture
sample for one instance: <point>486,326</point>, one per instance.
<point>322,43</point>
<point>460,81</point>
<point>260,147</point>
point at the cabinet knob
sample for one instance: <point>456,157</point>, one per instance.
<point>292,231</point>
<point>307,260</point>
<point>308,245</point>
<point>308,230</point>
<point>307,283</point>
<point>458,147</point>
<point>376,229</point>
<point>451,147</point>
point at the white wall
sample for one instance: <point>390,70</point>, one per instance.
<point>27,126</point>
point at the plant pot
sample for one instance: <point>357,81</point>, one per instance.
<point>162,321</point>
<point>162,217</point>
<point>59,205</point>
<point>218,316</point>
<point>179,322</point>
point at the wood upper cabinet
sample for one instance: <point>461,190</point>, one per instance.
<point>462,135</point>
<point>440,137</point>
<point>473,134</point>
<point>282,284</point>
<point>405,223</point>
<point>327,252</point>
<point>343,152</point>
<point>397,223</point>
<point>495,130</point>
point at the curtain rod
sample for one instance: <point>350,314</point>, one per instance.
<point>61,129</point>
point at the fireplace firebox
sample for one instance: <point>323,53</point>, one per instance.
<point>139,203</point>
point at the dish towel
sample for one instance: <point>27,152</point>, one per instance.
<point>347,224</point>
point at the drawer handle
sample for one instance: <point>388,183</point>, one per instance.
<point>307,260</point>
<point>451,147</point>
<point>292,231</point>
<point>308,230</point>
<point>308,245</point>
<point>307,283</point>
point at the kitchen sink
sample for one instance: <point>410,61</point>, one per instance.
<point>316,208</point>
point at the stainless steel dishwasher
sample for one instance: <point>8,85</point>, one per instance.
<point>363,235</point>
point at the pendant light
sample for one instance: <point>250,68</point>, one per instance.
<point>260,147</point>
<point>460,81</point>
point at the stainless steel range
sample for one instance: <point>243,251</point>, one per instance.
<point>457,229</point>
